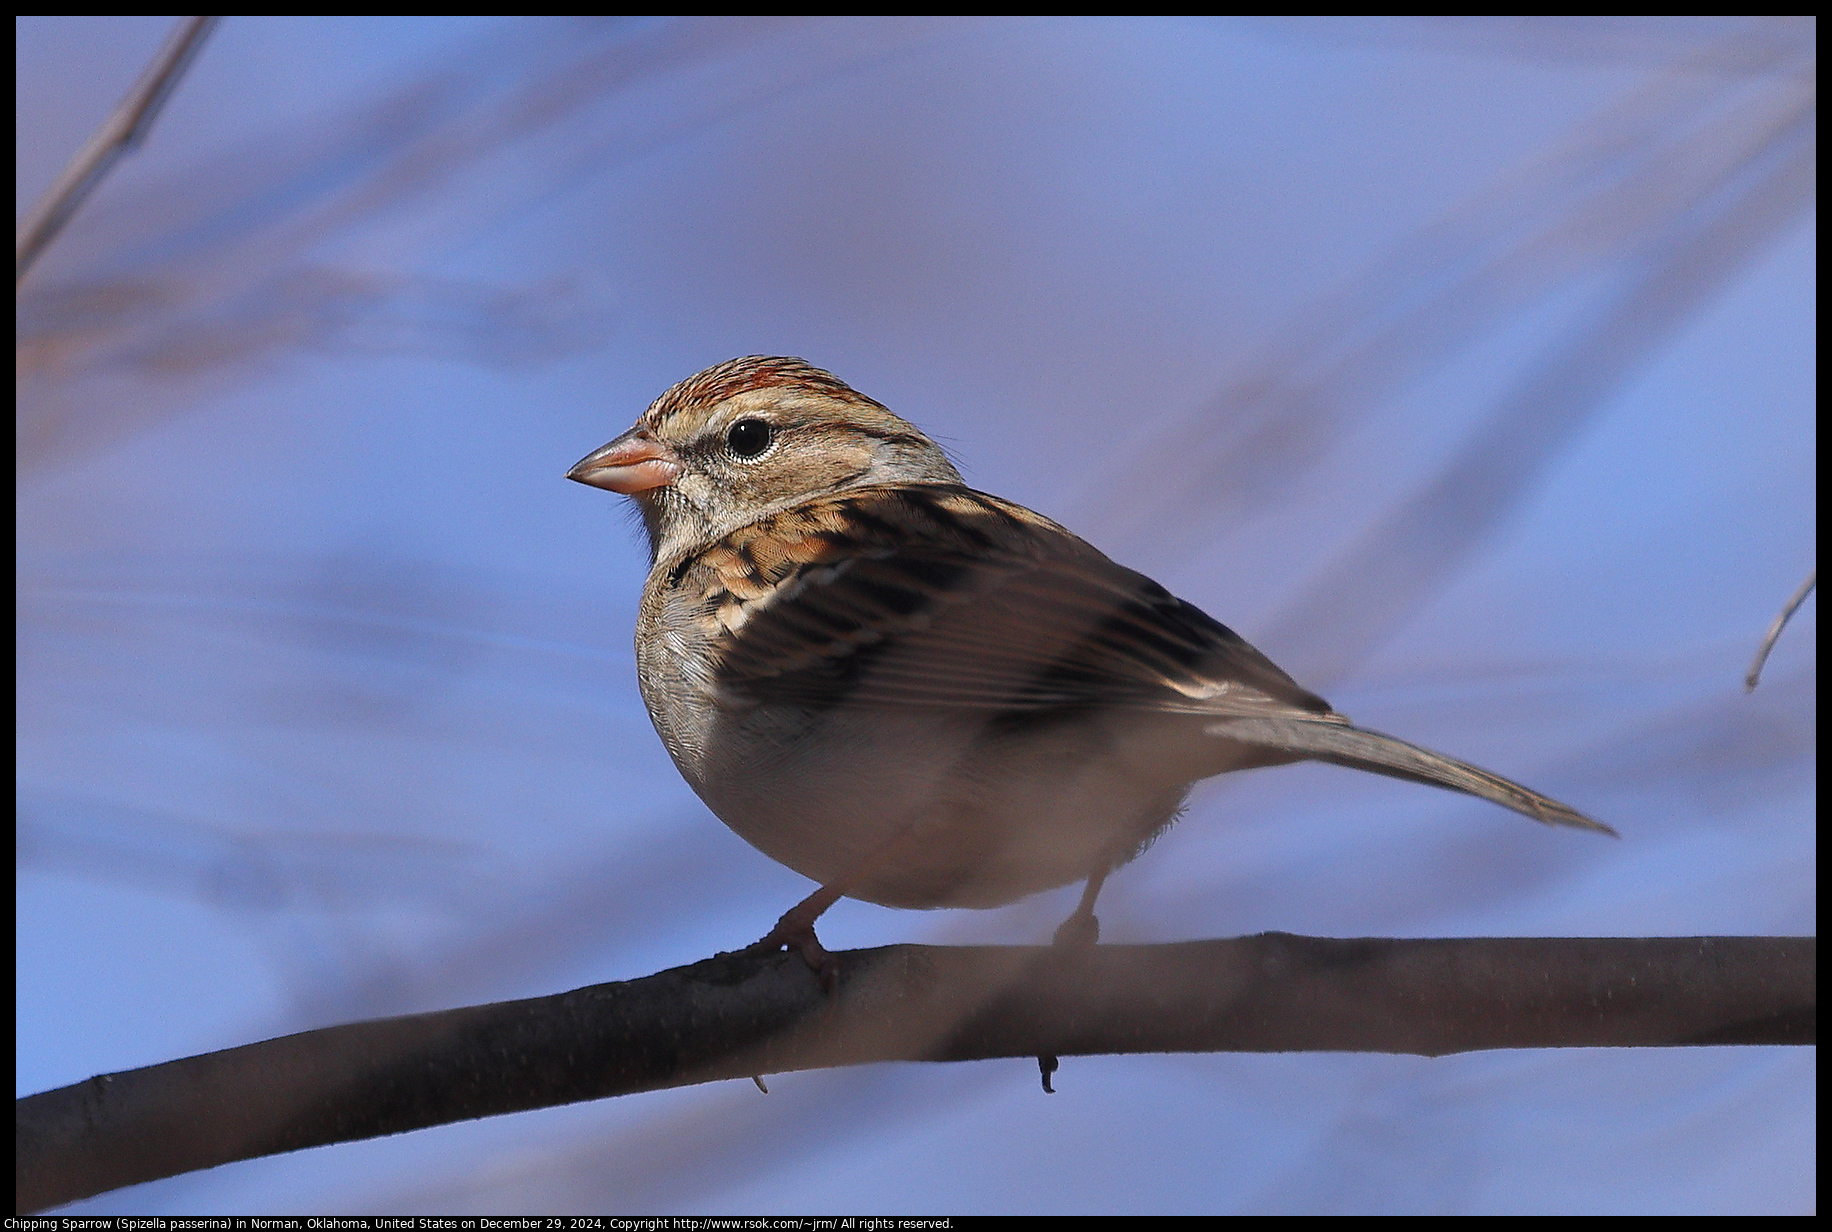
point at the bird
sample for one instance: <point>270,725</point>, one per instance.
<point>921,695</point>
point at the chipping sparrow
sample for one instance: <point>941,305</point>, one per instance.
<point>920,695</point>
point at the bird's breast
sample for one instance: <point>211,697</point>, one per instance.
<point>920,807</point>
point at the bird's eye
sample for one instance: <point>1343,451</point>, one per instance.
<point>749,437</point>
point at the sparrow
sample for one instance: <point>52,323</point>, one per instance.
<point>921,695</point>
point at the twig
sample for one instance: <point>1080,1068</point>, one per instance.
<point>124,129</point>
<point>743,1017</point>
<point>1754,675</point>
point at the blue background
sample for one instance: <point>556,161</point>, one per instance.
<point>1463,365</point>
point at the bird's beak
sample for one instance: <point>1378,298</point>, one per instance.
<point>634,462</point>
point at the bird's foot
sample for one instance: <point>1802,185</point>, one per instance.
<point>797,934</point>
<point>1079,931</point>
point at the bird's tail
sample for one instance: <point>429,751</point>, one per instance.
<point>1332,739</point>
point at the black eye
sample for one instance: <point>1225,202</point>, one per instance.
<point>749,437</point>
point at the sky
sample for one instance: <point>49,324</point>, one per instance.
<point>1464,366</point>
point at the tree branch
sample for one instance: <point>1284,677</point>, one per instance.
<point>124,129</point>
<point>1753,676</point>
<point>737,1016</point>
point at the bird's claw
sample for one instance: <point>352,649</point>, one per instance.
<point>1079,931</point>
<point>797,935</point>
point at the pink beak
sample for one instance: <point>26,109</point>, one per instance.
<point>634,462</point>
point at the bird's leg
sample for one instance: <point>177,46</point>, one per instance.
<point>1079,931</point>
<point>795,931</point>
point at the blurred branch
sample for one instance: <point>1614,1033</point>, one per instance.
<point>124,129</point>
<point>1388,573</point>
<point>737,1017</point>
<point>1754,676</point>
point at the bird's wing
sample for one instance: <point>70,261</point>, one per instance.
<point>936,595</point>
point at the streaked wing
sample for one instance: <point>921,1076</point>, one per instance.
<point>941,596</point>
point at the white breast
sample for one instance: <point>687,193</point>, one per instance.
<point>934,807</point>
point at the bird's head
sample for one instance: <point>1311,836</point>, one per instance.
<point>751,436</point>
